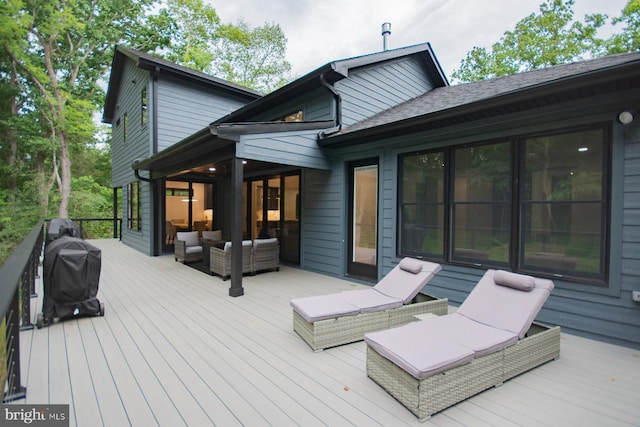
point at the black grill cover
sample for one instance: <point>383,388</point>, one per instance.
<point>71,275</point>
<point>61,227</point>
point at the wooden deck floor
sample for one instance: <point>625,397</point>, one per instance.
<point>174,349</point>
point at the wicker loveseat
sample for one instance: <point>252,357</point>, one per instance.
<point>220,259</point>
<point>438,362</point>
<point>187,247</point>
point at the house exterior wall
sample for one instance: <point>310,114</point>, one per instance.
<point>185,108</point>
<point>605,313</point>
<point>370,90</point>
<point>298,149</point>
<point>137,145</point>
<point>315,105</point>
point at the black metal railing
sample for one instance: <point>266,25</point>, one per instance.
<point>17,285</point>
<point>97,228</point>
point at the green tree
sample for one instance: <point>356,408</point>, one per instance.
<point>549,38</point>
<point>629,39</point>
<point>61,50</point>
<point>253,57</point>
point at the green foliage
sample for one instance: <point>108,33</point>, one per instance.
<point>629,39</point>
<point>253,57</point>
<point>541,40</point>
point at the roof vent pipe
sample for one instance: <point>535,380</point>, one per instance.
<point>386,32</point>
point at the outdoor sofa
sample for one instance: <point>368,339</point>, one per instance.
<point>325,321</point>
<point>437,362</point>
<point>257,255</point>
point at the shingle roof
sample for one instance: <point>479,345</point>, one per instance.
<point>449,98</point>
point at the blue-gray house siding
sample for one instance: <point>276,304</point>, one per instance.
<point>185,108</point>
<point>369,90</point>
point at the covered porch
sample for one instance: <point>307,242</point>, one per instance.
<point>174,349</point>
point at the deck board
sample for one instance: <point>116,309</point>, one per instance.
<point>174,349</point>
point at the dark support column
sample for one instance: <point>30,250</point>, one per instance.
<point>236,289</point>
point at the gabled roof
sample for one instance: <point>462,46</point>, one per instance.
<point>335,71</point>
<point>450,105</point>
<point>146,61</point>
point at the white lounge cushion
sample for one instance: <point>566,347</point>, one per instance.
<point>410,348</point>
<point>504,307</point>
<point>482,339</point>
<point>190,238</point>
<point>369,300</point>
<point>322,307</point>
<point>401,283</point>
<point>212,235</point>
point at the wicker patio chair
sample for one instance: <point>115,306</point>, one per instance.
<point>266,255</point>
<point>187,247</point>
<point>330,320</point>
<point>220,259</point>
<point>438,362</point>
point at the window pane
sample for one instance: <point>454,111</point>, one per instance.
<point>563,236</point>
<point>563,228</point>
<point>564,167</point>
<point>482,203</point>
<point>422,205</point>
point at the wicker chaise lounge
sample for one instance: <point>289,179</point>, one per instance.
<point>330,320</point>
<point>438,362</point>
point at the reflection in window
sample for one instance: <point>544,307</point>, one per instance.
<point>143,107</point>
<point>134,219</point>
<point>551,220</point>
<point>563,203</point>
<point>481,205</point>
<point>422,204</point>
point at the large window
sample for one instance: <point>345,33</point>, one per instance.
<point>134,220</point>
<point>532,204</point>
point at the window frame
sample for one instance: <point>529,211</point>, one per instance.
<point>134,206</point>
<point>517,227</point>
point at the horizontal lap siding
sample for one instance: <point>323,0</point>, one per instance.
<point>322,221</point>
<point>370,90</point>
<point>315,105</point>
<point>184,109</point>
<point>137,146</point>
<point>298,149</point>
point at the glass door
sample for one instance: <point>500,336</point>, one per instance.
<point>363,219</point>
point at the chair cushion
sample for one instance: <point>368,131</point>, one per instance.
<point>512,280</point>
<point>369,300</point>
<point>227,245</point>
<point>212,235</point>
<point>193,249</point>
<point>504,307</point>
<point>190,238</point>
<point>323,307</point>
<point>403,284</point>
<point>482,339</point>
<point>262,242</point>
<point>434,354</point>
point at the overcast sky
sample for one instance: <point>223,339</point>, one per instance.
<point>321,31</point>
